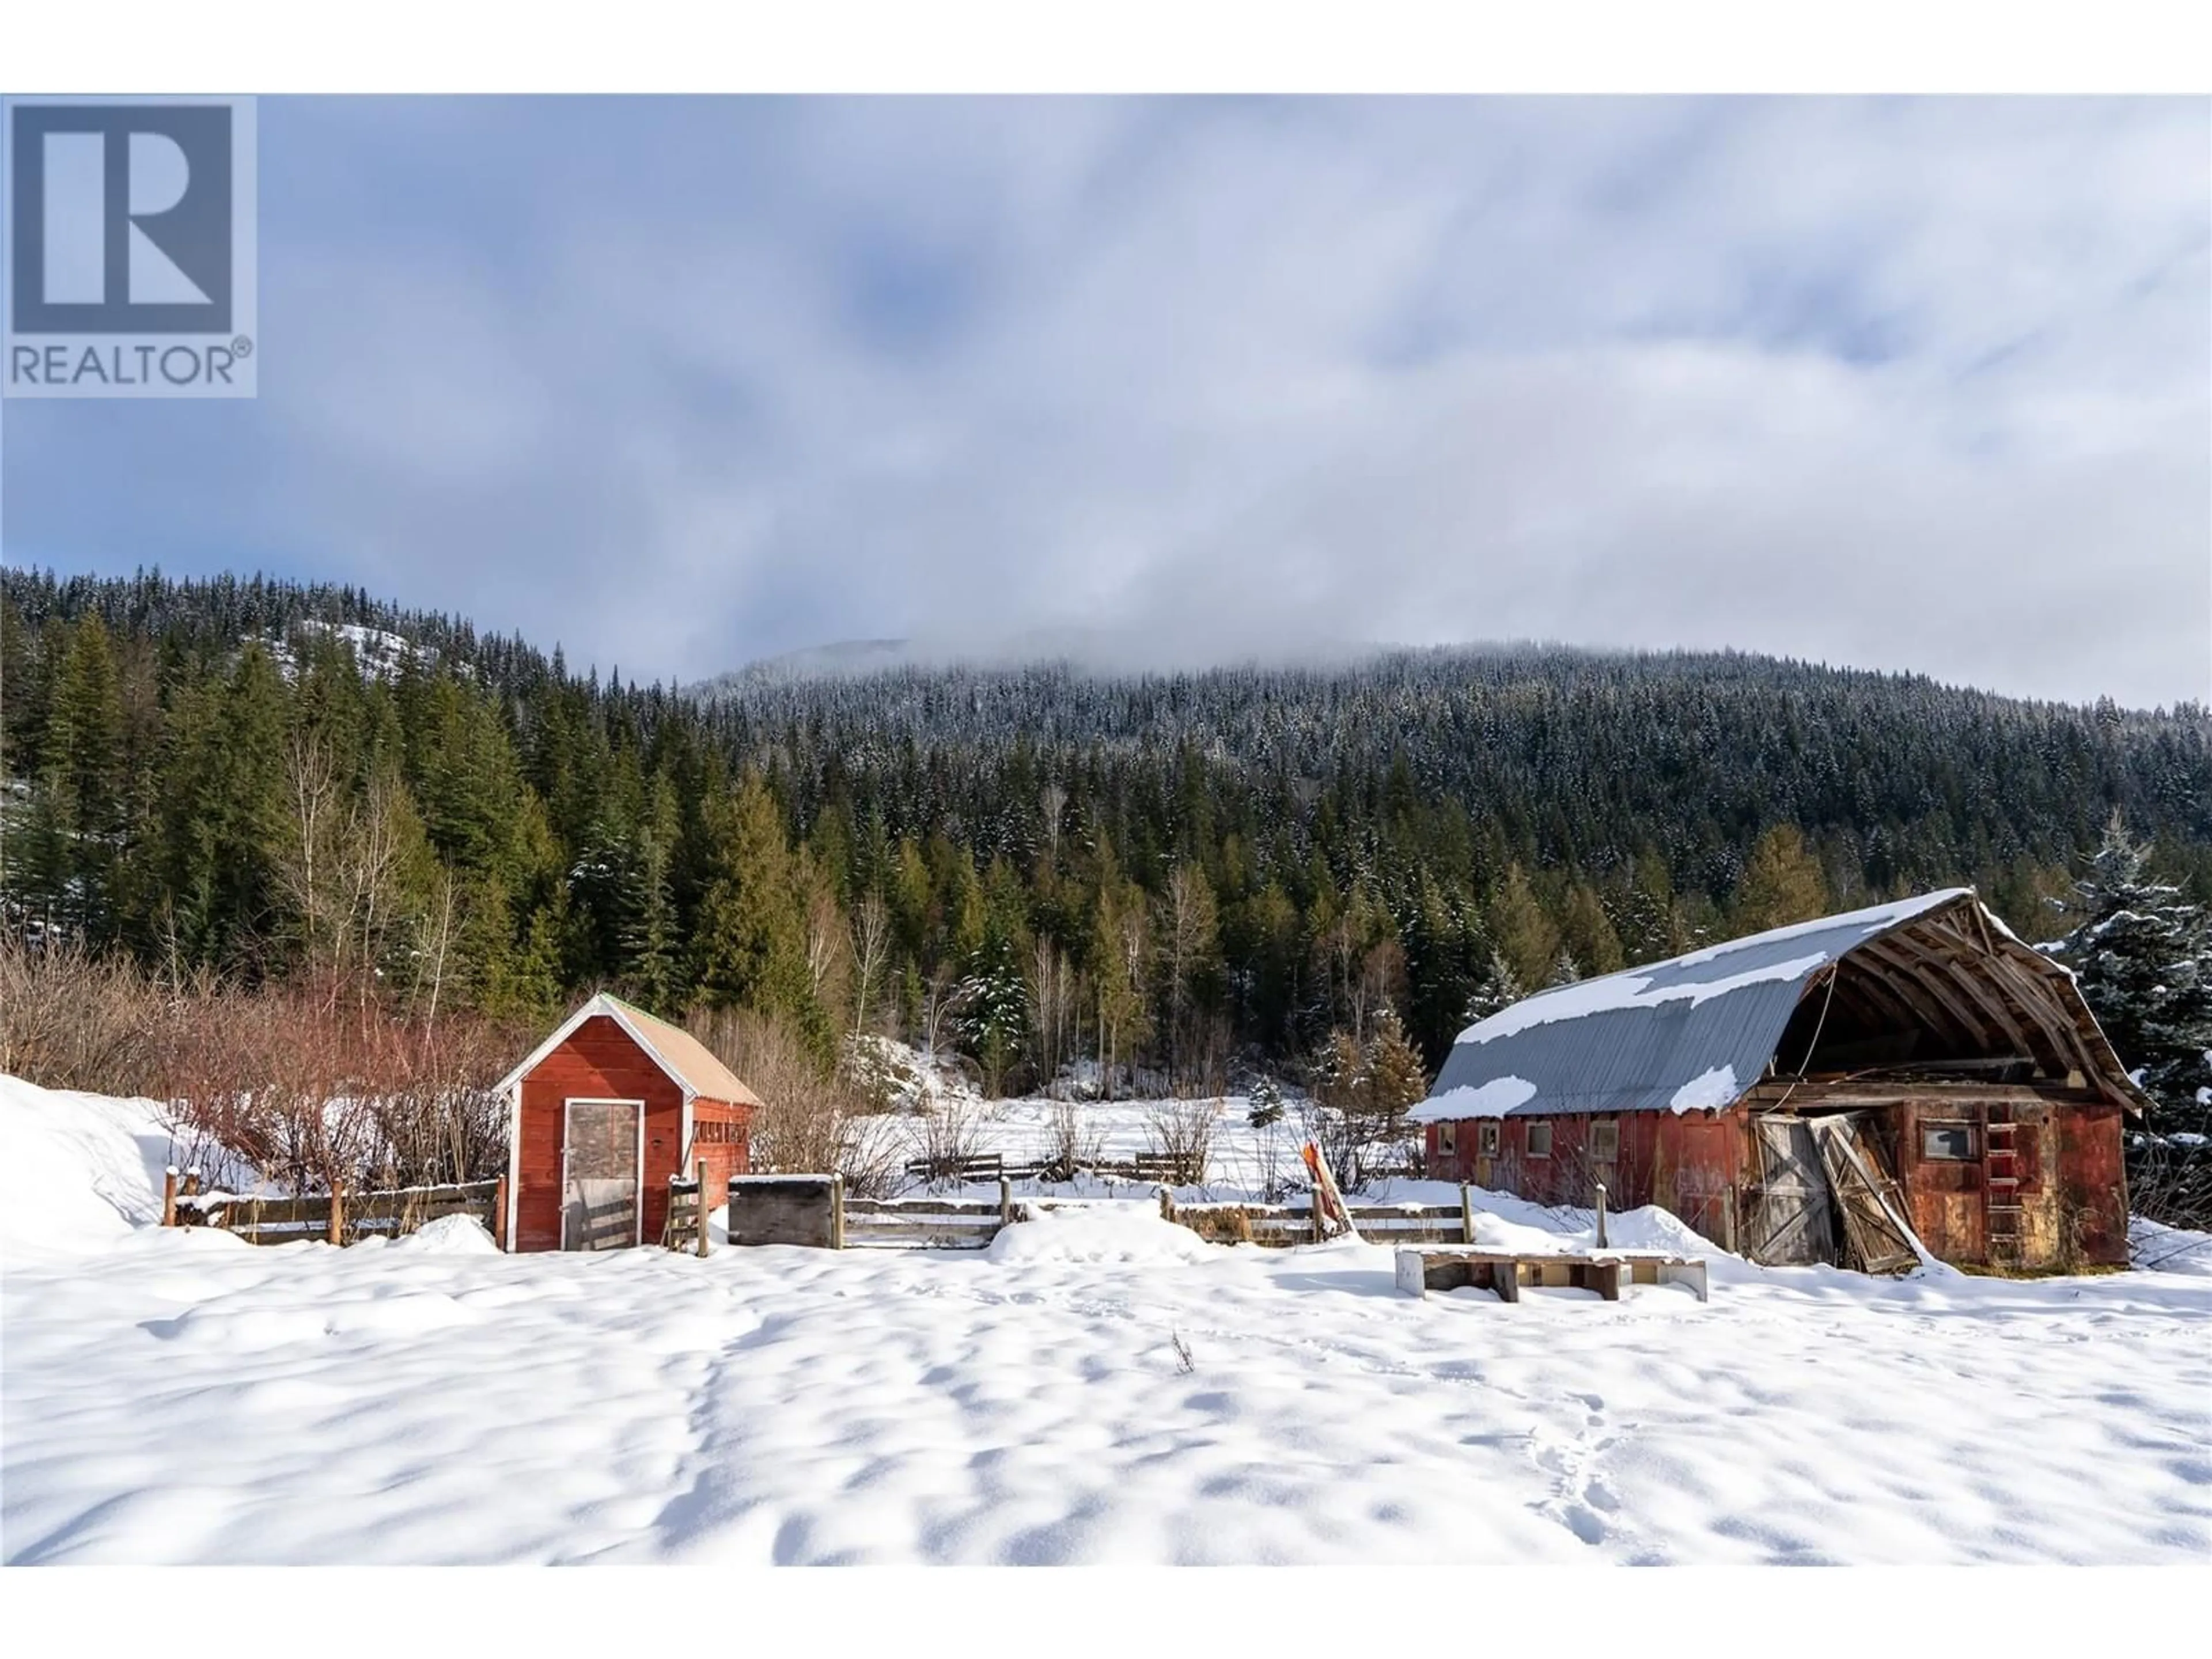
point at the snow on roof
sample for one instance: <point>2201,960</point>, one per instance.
<point>1667,1035</point>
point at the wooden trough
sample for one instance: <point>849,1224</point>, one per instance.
<point>1419,1272</point>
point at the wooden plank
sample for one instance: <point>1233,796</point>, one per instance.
<point>922,1232</point>
<point>879,1226</point>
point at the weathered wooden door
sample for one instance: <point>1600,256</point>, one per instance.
<point>599,1189</point>
<point>1793,1220</point>
<point>1881,1240</point>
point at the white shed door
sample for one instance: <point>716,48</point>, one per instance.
<point>600,1175</point>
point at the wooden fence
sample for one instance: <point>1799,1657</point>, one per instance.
<point>339,1218</point>
<point>928,1223</point>
<point>1145,1169</point>
<point>685,1228</point>
<point>1283,1225</point>
<point>925,1222</point>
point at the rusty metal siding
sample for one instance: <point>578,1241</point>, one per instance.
<point>2072,1191</point>
<point>1701,1166</point>
<point>1690,1164</point>
<point>2092,1181</point>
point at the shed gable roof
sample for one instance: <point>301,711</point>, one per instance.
<point>1694,1032</point>
<point>689,1063</point>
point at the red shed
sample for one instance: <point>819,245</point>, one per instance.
<point>1851,1090</point>
<point>603,1114</point>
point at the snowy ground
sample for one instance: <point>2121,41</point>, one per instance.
<point>175,1397</point>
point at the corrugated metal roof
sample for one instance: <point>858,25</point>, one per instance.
<point>1693,1032</point>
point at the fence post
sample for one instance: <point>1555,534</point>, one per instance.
<point>1319,1217</point>
<point>1006,1200</point>
<point>169,1197</point>
<point>699,1208</point>
<point>836,1212</point>
<point>1167,1202</point>
<point>499,1213</point>
<point>1466,1214</point>
<point>337,1209</point>
<point>1601,1215</point>
<point>192,1190</point>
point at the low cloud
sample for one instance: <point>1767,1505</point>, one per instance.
<point>1917,385</point>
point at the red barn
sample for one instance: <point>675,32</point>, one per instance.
<point>1845,1091</point>
<point>608,1109</point>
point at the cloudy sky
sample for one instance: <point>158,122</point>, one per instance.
<point>681,384</point>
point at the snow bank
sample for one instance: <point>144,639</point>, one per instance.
<point>2154,1247</point>
<point>1129,1234</point>
<point>77,1171</point>
<point>450,1235</point>
<point>1098,1386</point>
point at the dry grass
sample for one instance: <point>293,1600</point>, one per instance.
<point>1224,1224</point>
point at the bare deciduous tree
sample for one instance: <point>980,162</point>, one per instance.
<point>871,953</point>
<point>1052,801</point>
<point>944,1001</point>
<point>1052,1007</point>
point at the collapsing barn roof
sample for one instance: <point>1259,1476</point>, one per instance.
<point>1938,976</point>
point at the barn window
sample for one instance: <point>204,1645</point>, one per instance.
<point>1539,1140</point>
<point>1489,1140</point>
<point>1953,1142</point>
<point>1447,1139</point>
<point>1605,1142</point>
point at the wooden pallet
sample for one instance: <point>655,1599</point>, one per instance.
<point>1419,1272</point>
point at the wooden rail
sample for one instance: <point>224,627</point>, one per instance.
<point>685,1227</point>
<point>339,1218</point>
<point>609,1226</point>
<point>930,1223</point>
<point>1145,1168</point>
<point>1282,1225</point>
<point>970,1223</point>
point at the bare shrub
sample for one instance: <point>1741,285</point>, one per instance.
<point>947,1135</point>
<point>264,1078</point>
<point>297,1088</point>
<point>295,1085</point>
<point>1075,1145</point>
<point>70,1019</point>
<point>437,1115</point>
<point>871,1156</point>
<point>2170,1180</point>
<point>1182,1130</point>
<point>812,1119</point>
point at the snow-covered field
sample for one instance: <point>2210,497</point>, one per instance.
<point>176,1397</point>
